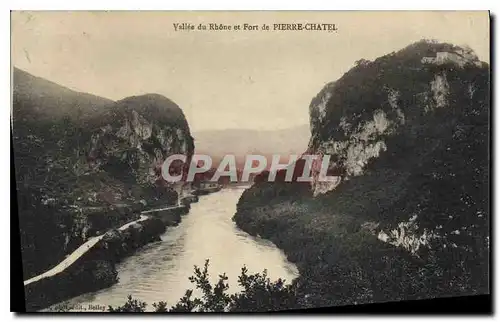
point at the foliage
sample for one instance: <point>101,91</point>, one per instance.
<point>132,305</point>
<point>259,294</point>
<point>433,173</point>
<point>70,157</point>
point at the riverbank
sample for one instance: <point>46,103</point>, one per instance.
<point>160,271</point>
<point>340,259</point>
<point>95,269</point>
<point>336,241</point>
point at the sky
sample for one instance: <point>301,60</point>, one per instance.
<point>223,79</point>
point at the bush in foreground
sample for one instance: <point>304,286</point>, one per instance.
<point>259,294</point>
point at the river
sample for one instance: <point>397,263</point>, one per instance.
<point>159,271</point>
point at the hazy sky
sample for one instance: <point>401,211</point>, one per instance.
<point>225,79</point>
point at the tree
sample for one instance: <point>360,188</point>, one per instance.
<point>259,294</point>
<point>132,305</point>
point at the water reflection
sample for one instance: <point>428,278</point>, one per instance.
<point>160,270</point>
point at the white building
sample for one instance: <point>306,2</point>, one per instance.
<point>461,58</point>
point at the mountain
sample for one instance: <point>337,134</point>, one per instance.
<point>37,99</point>
<point>84,163</point>
<point>408,216</point>
<point>242,142</point>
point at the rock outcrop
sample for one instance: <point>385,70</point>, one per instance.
<point>85,164</point>
<point>398,93</point>
<point>408,216</point>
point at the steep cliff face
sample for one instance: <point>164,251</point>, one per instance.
<point>418,120</point>
<point>85,163</point>
<point>408,216</point>
<point>134,136</point>
<point>397,95</point>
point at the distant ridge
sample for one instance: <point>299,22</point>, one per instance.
<point>42,99</point>
<point>241,142</point>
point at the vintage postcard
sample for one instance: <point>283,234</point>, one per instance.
<point>195,161</point>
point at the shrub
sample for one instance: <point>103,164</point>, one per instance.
<point>259,294</point>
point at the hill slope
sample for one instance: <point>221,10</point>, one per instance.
<point>408,217</point>
<point>84,162</point>
<point>38,99</point>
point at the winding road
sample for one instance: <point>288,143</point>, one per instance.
<point>85,247</point>
<point>161,209</point>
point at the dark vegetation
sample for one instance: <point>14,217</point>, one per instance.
<point>258,294</point>
<point>95,270</point>
<point>434,174</point>
<point>79,168</point>
<point>429,188</point>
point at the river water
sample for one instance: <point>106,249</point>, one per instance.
<point>159,271</point>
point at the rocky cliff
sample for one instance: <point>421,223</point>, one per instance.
<point>408,215</point>
<point>84,163</point>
